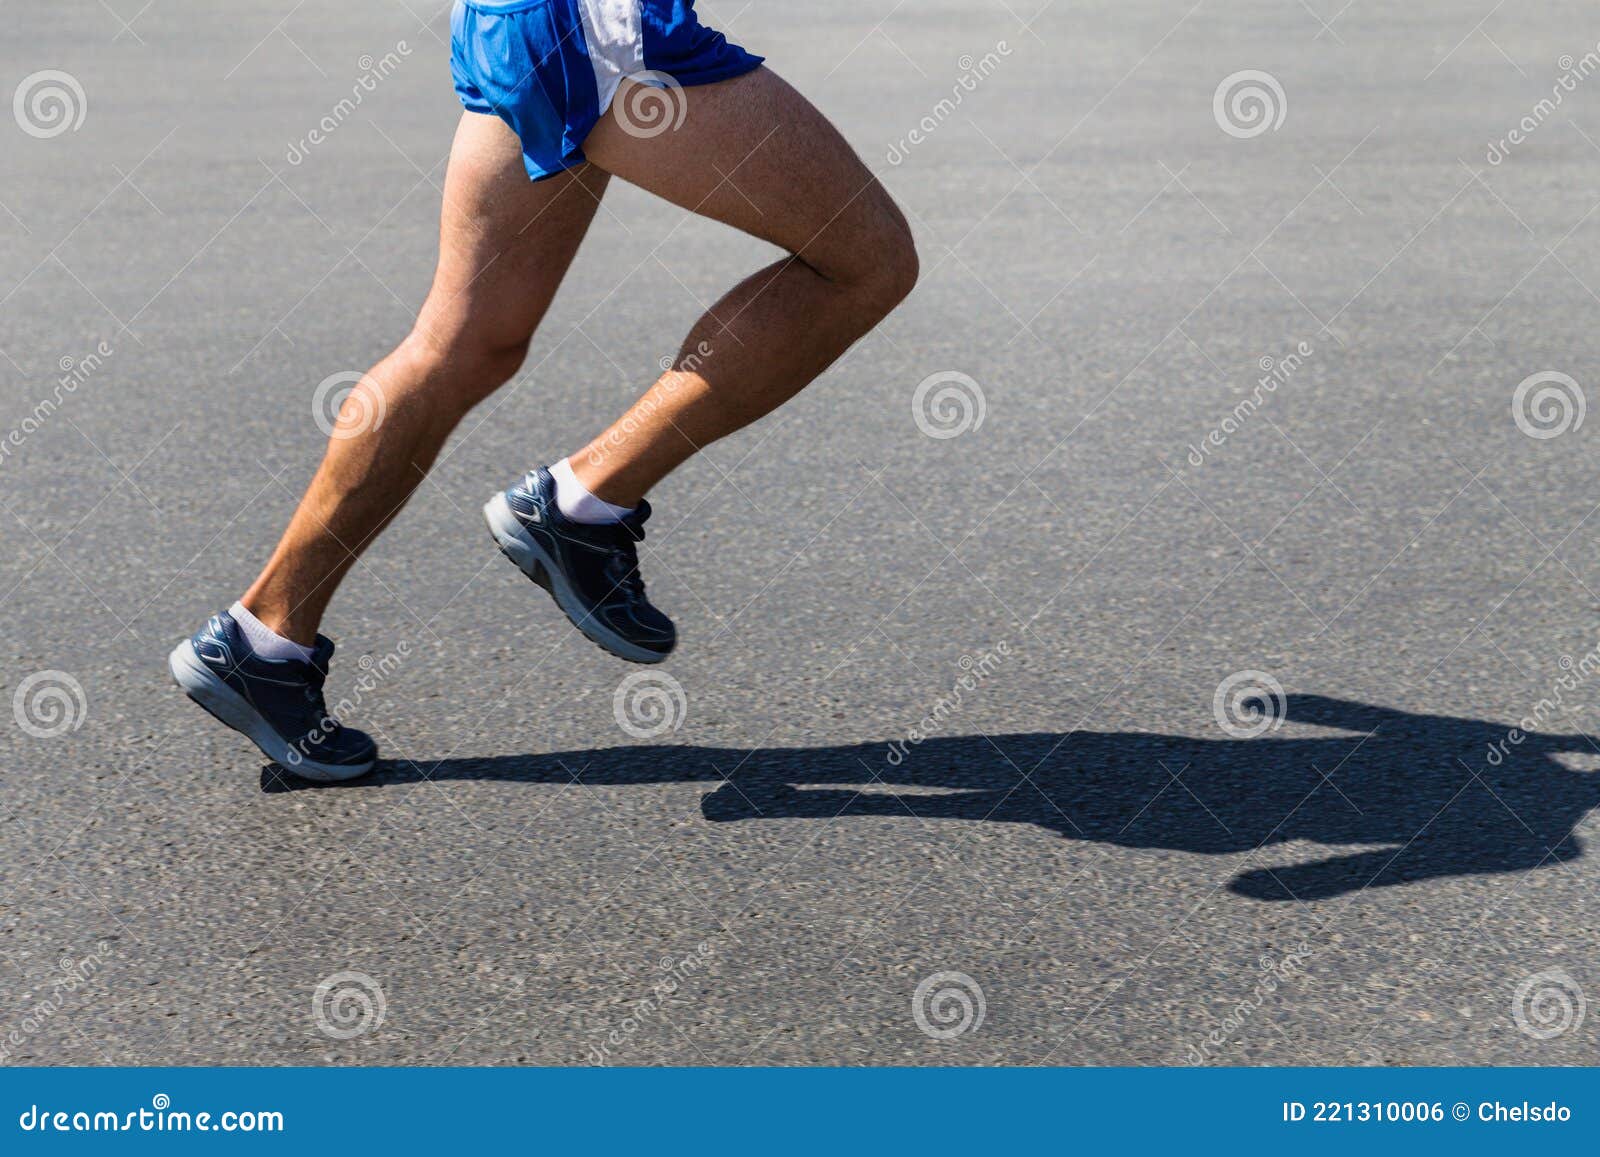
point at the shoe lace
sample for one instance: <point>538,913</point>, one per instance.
<point>622,564</point>
<point>318,705</point>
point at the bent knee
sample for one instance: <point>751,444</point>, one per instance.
<point>467,367</point>
<point>899,266</point>
<point>495,364</point>
<point>883,267</point>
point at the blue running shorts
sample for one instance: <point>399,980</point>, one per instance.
<point>550,68</point>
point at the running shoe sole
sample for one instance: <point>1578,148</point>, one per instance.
<point>519,546</point>
<point>202,685</point>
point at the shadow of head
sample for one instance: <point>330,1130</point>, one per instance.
<point>1413,797</point>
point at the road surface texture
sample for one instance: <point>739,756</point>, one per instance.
<point>1170,639</point>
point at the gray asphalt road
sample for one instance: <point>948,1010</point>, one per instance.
<point>1080,857</point>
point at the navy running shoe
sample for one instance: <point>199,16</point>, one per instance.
<point>277,704</point>
<point>592,571</point>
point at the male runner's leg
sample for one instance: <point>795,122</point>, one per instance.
<point>753,153</point>
<point>505,243</point>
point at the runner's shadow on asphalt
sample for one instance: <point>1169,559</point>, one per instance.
<point>1421,796</point>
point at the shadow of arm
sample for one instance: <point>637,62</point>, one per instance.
<point>1348,715</point>
<point>1386,867</point>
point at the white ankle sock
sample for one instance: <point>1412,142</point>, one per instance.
<point>577,503</point>
<point>263,640</point>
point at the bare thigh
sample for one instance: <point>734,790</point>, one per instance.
<point>752,152</point>
<point>505,242</point>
